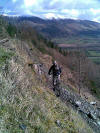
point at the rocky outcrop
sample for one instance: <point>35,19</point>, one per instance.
<point>88,110</point>
<point>4,40</point>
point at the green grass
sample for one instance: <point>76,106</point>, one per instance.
<point>95,88</point>
<point>38,109</point>
<point>4,56</point>
<point>24,101</point>
<point>94,53</point>
<point>95,60</point>
<point>34,117</point>
<point>78,40</point>
<point>94,56</point>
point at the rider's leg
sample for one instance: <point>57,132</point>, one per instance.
<point>58,85</point>
<point>58,78</point>
<point>54,83</point>
<point>54,80</point>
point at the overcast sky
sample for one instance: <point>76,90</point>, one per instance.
<point>74,9</point>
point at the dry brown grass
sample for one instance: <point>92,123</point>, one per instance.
<point>26,100</point>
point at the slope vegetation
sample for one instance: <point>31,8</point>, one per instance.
<point>26,102</point>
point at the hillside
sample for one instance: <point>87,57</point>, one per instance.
<point>64,31</point>
<point>26,102</point>
<point>83,66</point>
<point>67,34</point>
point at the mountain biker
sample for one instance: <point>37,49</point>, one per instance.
<point>55,71</point>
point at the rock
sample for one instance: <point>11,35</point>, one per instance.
<point>77,103</point>
<point>58,123</point>
<point>98,123</point>
<point>98,108</point>
<point>92,103</point>
<point>40,69</point>
<point>31,49</point>
<point>30,65</point>
<point>92,116</point>
<point>22,126</point>
<point>4,40</point>
<point>89,115</point>
<point>36,67</point>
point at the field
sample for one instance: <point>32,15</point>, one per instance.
<point>94,56</point>
<point>78,40</point>
<point>92,51</point>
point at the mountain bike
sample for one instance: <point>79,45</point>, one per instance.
<point>56,85</point>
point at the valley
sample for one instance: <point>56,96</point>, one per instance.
<point>27,100</point>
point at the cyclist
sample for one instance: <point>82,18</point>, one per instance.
<point>55,71</point>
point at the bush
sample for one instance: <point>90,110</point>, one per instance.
<point>40,47</point>
<point>51,44</point>
<point>93,85</point>
<point>11,30</point>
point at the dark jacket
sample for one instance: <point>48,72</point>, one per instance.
<point>55,70</point>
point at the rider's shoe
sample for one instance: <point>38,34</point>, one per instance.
<point>58,95</point>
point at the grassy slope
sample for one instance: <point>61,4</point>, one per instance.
<point>26,101</point>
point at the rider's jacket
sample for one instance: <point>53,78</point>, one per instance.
<point>55,70</point>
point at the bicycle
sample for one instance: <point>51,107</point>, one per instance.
<point>56,85</point>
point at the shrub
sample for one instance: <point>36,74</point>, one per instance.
<point>11,30</point>
<point>40,47</point>
<point>93,85</point>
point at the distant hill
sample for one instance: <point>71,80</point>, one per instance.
<point>65,31</point>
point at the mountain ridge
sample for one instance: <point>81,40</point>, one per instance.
<point>64,31</point>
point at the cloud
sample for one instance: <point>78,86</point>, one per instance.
<point>14,1</point>
<point>53,15</point>
<point>95,11</point>
<point>71,12</point>
<point>97,19</point>
<point>29,3</point>
<point>73,4</point>
<point>75,9</point>
<point>66,13</point>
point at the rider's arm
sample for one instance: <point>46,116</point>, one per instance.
<point>51,68</point>
<point>60,70</point>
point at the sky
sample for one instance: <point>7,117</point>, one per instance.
<point>73,9</point>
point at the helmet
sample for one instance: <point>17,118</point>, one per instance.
<point>54,62</point>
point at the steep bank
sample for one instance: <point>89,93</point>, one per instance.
<point>26,102</point>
